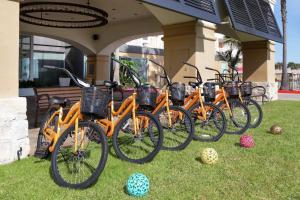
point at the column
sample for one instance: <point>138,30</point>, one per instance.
<point>98,68</point>
<point>259,65</point>
<point>91,68</point>
<point>14,141</point>
<point>193,42</point>
<point>102,68</point>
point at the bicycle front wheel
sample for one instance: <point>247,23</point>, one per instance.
<point>77,162</point>
<point>138,142</point>
<point>209,127</point>
<point>178,132</point>
<point>238,120</point>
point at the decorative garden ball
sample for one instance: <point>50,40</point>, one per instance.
<point>276,129</point>
<point>209,156</point>
<point>137,185</point>
<point>247,141</point>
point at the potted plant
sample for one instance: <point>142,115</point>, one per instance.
<point>64,80</point>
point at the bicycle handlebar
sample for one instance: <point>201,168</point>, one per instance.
<point>166,75</point>
<point>220,75</point>
<point>236,75</point>
<point>76,80</point>
<point>131,73</point>
<point>198,78</point>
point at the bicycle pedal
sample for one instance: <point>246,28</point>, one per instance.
<point>41,153</point>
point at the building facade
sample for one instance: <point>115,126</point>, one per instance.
<point>188,27</point>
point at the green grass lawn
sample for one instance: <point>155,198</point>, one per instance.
<point>271,170</point>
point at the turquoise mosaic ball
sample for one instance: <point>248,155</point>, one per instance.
<point>138,185</point>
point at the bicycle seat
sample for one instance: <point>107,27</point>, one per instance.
<point>59,101</point>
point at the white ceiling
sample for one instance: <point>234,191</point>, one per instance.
<point>118,10</point>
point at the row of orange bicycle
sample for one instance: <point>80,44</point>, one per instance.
<point>147,121</point>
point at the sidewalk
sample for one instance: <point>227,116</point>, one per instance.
<point>291,97</point>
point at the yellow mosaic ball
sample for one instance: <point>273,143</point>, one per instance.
<point>209,156</point>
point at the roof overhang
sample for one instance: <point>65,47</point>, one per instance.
<point>201,9</point>
<point>254,17</point>
<point>247,20</point>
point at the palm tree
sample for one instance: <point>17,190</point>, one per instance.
<point>284,78</point>
<point>231,55</point>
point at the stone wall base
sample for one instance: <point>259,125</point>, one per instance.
<point>271,89</point>
<point>14,140</point>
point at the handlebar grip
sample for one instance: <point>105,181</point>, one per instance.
<point>208,68</point>
<point>190,77</point>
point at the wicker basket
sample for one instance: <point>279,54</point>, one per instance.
<point>209,91</point>
<point>246,89</point>
<point>146,97</point>
<point>177,93</point>
<point>94,102</point>
<point>232,88</point>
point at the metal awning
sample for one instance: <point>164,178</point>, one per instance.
<point>201,9</point>
<point>254,17</point>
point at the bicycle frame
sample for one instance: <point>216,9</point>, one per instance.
<point>163,100</point>
<point>193,99</point>
<point>73,116</point>
<point>222,96</point>
<point>197,97</point>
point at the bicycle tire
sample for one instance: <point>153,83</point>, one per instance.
<point>186,137</point>
<point>130,139</point>
<point>257,107</point>
<point>219,128</point>
<point>99,138</point>
<point>243,127</point>
<point>42,142</point>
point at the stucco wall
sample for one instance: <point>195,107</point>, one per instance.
<point>9,48</point>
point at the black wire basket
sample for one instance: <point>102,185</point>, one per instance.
<point>246,89</point>
<point>146,97</point>
<point>94,102</point>
<point>232,88</point>
<point>177,93</point>
<point>209,91</point>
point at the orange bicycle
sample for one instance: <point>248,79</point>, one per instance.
<point>77,140</point>
<point>210,121</point>
<point>237,114</point>
<point>245,93</point>
<point>177,124</point>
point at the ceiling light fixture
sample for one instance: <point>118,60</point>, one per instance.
<point>34,13</point>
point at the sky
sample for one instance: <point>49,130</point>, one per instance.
<point>293,31</point>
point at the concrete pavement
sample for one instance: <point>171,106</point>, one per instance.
<point>291,97</point>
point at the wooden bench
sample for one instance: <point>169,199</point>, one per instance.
<point>43,95</point>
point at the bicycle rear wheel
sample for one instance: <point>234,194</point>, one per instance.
<point>213,127</point>
<point>43,143</point>
<point>179,135</point>
<point>239,122</point>
<point>255,112</point>
<point>78,164</point>
<point>140,146</point>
